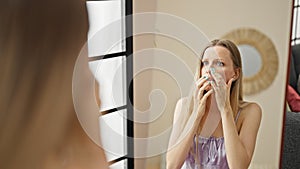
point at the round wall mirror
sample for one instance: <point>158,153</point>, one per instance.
<point>259,58</point>
<point>250,56</point>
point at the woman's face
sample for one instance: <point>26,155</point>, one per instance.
<point>218,59</point>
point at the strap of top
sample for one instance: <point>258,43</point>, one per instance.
<point>237,116</point>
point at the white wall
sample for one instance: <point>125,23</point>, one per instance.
<point>142,81</point>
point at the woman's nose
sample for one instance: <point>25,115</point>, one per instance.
<point>209,68</point>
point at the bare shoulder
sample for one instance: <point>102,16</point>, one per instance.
<point>251,110</point>
<point>183,100</point>
<point>250,119</point>
<point>180,106</point>
<point>251,106</point>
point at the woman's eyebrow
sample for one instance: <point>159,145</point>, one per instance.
<point>215,59</point>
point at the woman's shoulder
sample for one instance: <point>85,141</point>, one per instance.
<point>182,100</point>
<point>181,105</point>
<point>247,104</point>
<point>251,108</point>
<point>251,115</point>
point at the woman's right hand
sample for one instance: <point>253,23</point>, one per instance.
<point>200,97</point>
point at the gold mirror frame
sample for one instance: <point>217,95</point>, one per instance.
<point>269,68</point>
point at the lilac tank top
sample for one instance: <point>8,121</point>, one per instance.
<point>211,153</point>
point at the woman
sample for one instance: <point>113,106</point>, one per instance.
<point>39,44</point>
<point>215,120</point>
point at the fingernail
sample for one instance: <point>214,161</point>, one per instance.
<point>212,70</point>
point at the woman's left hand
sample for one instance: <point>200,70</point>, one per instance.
<point>221,91</point>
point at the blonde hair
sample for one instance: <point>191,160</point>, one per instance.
<point>38,49</point>
<point>236,95</point>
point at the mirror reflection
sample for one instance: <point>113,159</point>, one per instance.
<point>215,127</point>
<point>227,16</point>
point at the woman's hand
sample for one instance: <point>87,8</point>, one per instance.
<point>221,90</point>
<point>200,96</point>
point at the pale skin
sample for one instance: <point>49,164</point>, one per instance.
<point>218,73</point>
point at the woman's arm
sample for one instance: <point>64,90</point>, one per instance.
<point>240,146</point>
<point>185,126</point>
<point>178,147</point>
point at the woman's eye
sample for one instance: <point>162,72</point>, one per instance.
<point>204,63</point>
<point>219,63</point>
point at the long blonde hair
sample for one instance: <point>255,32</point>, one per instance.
<point>236,93</point>
<point>39,44</point>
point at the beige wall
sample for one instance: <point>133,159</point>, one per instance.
<point>215,18</point>
<point>142,81</point>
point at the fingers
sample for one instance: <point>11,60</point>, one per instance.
<point>217,77</point>
<point>201,81</point>
<point>204,98</point>
<point>230,82</point>
<point>201,105</point>
<point>202,89</point>
<point>214,86</point>
<point>207,94</point>
<point>199,84</point>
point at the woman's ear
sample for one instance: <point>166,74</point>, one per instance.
<point>236,73</point>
